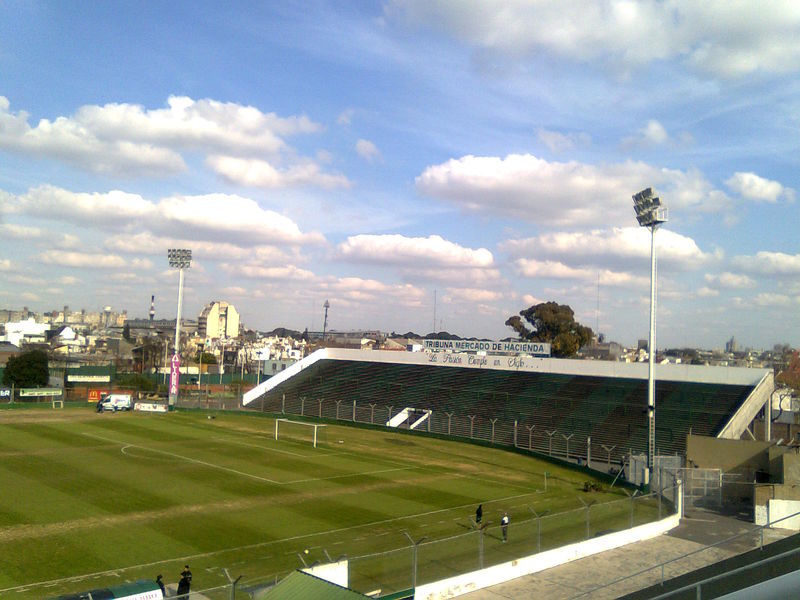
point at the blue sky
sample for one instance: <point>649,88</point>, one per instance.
<point>381,154</point>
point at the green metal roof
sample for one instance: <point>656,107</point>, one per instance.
<point>301,586</point>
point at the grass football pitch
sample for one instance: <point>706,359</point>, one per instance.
<point>90,500</point>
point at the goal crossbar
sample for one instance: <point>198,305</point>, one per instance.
<point>314,426</point>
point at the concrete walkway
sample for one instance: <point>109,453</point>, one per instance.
<point>583,578</point>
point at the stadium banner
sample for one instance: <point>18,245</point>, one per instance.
<point>150,407</point>
<point>532,348</point>
<point>5,392</point>
<point>31,392</point>
<point>89,378</point>
<point>97,393</point>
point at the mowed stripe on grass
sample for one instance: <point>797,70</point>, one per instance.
<point>186,486</point>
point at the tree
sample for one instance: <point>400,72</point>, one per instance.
<point>551,323</point>
<point>135,381</point>
<point>205,358</point>
<point>790,376</point>
<point>28,369</point>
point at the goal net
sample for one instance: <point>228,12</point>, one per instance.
<point>300,431</point>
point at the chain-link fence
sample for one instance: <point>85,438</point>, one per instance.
<point>561,443</point>
<point>424,561</point>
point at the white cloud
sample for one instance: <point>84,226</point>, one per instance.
<point>473,295</point>
<point>357,290</point>
<point>127,139</point>
<point>523,186</point>
<point>721,38</point>
<point>207,217</point>
<point>730,280</point>
<point>346,117</point>
<point>72,142</point>
<point>769,263</point>
<point>652,134</point>
<point>5,265</point>
<point>547,269</point>
<point>770,299</point>
<point>752,187</point>
<point>90,260</point>
<point>367,150</point>
<point>399,249</point>
<point>707,292</point>
<point>453,275</point>
<point>618,245</point>
<point>282,273</point>
<point>561,142</point>
<point>254,172</point>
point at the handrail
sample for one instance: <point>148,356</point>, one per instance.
<point>661,565</point>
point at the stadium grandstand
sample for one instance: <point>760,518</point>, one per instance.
<point>575,410</point>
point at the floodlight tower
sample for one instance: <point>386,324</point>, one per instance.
<point>650,213</point>
<point>178,259</point>
<point>326,306</point>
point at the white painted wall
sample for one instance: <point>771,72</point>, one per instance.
<point>463,584</point>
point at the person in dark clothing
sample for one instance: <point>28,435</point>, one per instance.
<point>161,585</point>
<point>185,583</point>
<point>478,514</point>
<point>99,407</point>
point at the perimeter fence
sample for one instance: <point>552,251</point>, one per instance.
<point>416,562</point>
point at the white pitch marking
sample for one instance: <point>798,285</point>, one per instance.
<point>350,475</point>
<point>186,458</point>
<point>227,441</point>
<point>117,572</point>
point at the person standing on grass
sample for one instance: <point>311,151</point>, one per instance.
<point>161,585</point>
<point>478,514</point>
<point>504,526</point>
<point>185,583</point>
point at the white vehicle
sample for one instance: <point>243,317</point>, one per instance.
<point>115,402</point>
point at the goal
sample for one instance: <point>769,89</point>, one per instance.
<point>300,431</point>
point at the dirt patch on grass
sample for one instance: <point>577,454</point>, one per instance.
<point>268,502</point>
<point>46,415</point>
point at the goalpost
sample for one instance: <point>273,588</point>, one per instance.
<point>301,431</point>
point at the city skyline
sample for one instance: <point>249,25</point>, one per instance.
<point>405,159</point>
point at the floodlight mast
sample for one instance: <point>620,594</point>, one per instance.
<point>650,213</point>
<point>178,259</point>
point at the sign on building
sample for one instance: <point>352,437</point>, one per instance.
<point>488,346</point>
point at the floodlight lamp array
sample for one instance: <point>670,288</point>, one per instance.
<point>179,258</point>
<point>649,209</point>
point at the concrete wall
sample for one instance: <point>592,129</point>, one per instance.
<point>776,511</point>
<point>791,467</point>
<point>729,455</point>
<point>470,582</point>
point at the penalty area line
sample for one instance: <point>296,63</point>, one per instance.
<point>186,458</point>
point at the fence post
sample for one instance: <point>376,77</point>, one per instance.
<point>372,414</point>
<point>480,547</point>
<point>302,405</point>
<point>320,408</point>
<point>538,529</point>
<point>589,451</point>
<point>354,410</point>
<point>283,404</point>
<point>493,422</point>
<point>415,547</point>
<point>515,433</point>
<point>588,533</point>
<point>471,424</point>
<point>449,415</point>
<point>550,450</point>
<point>338,402</point>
